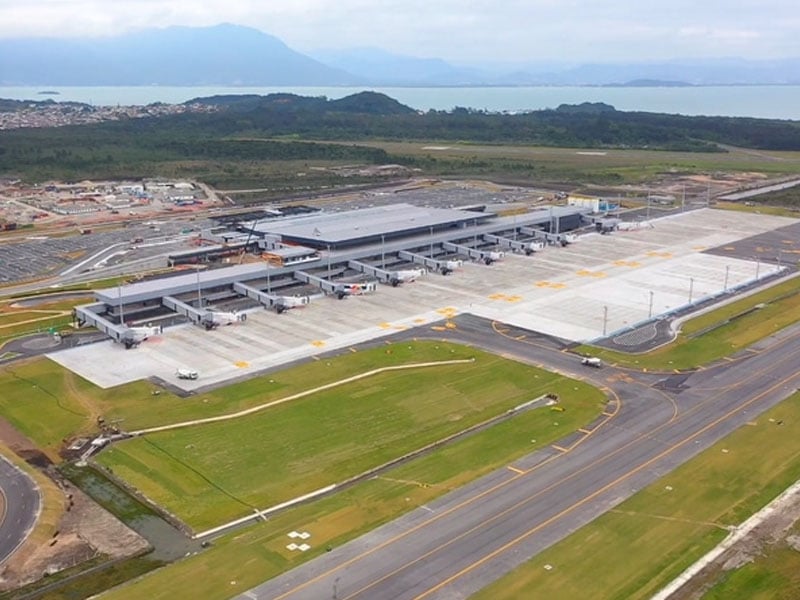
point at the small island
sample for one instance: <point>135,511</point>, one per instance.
<point>49,93</point>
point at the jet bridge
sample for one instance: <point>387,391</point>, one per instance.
<point>279,303</point>
<point>378,273</point>
<point>487,256</point>
<point>195,315</point>
<point>122,334</point>
<point>339,289</point>
<point>444,267</point>
<point>87,315</point>
<point>393,278</point>
<point>551,238</point>
<point>527,247</point>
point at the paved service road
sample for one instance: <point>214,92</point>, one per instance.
<point>19,508</point>
<point>458,544</point>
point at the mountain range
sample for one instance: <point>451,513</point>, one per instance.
<point>233,55</point>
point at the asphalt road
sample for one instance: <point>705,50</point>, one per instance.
<point>458,544</point>
<point>19,510</point>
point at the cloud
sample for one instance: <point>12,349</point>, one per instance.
<point>510,30</point>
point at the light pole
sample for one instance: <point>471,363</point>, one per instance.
<point>691,288</point>
<point>650,309</point>
<point>725,285</point>
<point>648,207</point>
<point>329,262</point>
<point>269,291</point>
<point>431,241</point>
<point>199,295</point>
<point>383,253</point>
<point>605,320</point>
<point>121,309</point>
<point>758,267</point>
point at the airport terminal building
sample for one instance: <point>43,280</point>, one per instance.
<point>308,256</point>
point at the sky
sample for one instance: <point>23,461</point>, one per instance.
<point>460,31</point>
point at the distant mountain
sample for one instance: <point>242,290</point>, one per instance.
<point>362,103</point>
<point>384,68</point>
<point>232,55</point>
<point>220,55</point>
<point>734,71</point>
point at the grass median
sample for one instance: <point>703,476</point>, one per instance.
<point>637,548</point>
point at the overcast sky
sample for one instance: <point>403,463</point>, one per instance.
<point>460,31</point>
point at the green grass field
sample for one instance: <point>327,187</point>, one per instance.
<point>49,403</point>
<point>256,553</point>
<point>546,164</point>
<point>690,350</point>
<point>212,473</point>
<point>641,545</point>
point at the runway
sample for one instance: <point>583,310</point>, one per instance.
<point>472,536</point>
<point>19,508</point>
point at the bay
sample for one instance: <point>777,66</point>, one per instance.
<point>776,102</point>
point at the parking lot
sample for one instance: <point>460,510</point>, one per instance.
<point>600,283</point>
<point>45,255</point>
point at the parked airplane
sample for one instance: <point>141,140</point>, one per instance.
<point>286,302</point>
<point>532,247</point>
<point>354,289</point>
<point>134,336</point>
<point>406,276</point>
<point>493,256</point>
<point>450,266</point>
<point>213,319</point>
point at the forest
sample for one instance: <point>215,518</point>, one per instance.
<point>252,135</point>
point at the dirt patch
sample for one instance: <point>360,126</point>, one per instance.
<point>86,531</point>
<point>12,438</point>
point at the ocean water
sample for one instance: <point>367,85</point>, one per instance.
<point>778,102</point>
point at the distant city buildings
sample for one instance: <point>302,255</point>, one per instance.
<point>70,113</point>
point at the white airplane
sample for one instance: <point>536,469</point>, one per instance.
<point>354,289</point>
<point>493,256</point>
<point>286,302</point>
<point>532,247</point>
<point>406,276</point>
<point>134,336</point>
<point>213,319</point>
